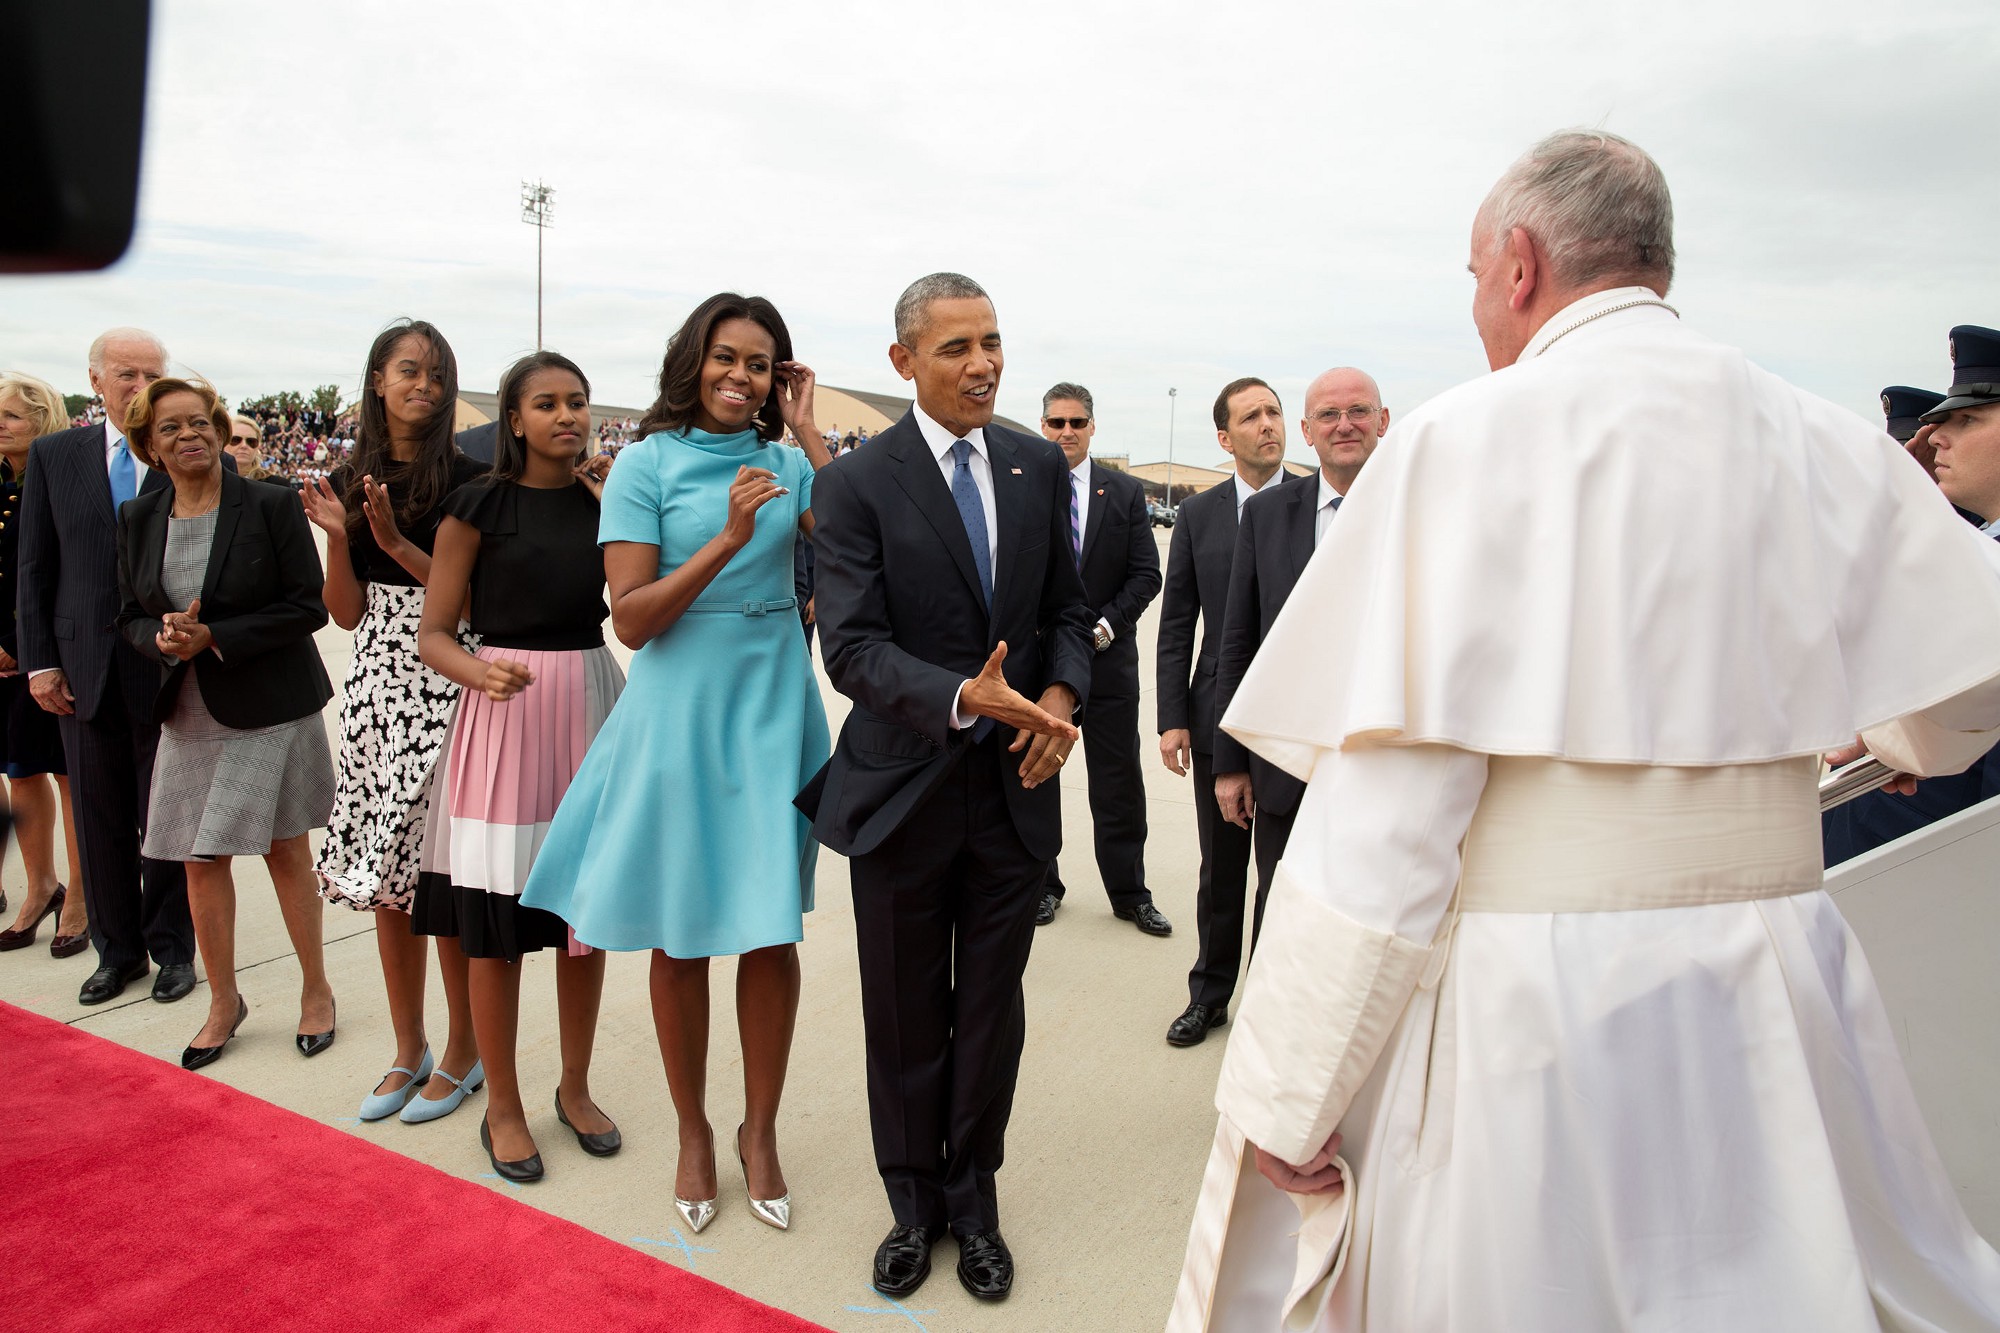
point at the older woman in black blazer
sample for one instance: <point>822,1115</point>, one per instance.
<point>221,582</point>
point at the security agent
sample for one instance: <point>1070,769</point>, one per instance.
<point>1111,540</point>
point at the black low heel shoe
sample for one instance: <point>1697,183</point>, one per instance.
<point>312,1043</point>
<point>597,1145</point>
<point>197,1057</point>
<point>521,1172</point>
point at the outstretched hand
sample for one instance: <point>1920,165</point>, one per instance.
<point>1319,1176</point>
<point>989,695</point>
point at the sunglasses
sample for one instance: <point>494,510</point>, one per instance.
<point>1057,423</point>
<point>243,439</point>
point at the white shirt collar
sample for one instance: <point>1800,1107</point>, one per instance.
<point>1327,495</point>
<point>941,440</point>
<point>1244,490</point>
<point>1568,319</point>
<point>1082,470</point>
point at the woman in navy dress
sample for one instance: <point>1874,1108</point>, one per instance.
<point>678,834</point>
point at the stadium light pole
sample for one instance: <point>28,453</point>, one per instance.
<point>1172,396</point>
<point>538,210</point>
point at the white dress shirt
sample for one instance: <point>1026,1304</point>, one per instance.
<point>1329,500</point>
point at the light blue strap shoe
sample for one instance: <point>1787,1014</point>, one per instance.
<point>382,1105</point>
<point>421,1108</point>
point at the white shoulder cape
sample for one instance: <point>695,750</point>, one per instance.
<point>1635,547</point>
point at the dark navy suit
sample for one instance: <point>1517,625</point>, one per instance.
<point>947,849</point>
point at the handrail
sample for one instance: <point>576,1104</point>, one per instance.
<point>1864,775</point>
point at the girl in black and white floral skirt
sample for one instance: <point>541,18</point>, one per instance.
<point>380,513</point>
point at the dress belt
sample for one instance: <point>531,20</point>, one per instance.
<point>744,608</point>
<point>1555,836</point>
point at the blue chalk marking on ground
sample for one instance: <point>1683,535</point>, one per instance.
<point>895,1307</point>
<point>488,1175</point>
<point>679,1243</point>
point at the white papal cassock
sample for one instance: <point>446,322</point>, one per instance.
<point>1548,946</point>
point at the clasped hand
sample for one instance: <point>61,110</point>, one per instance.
<point>1045,736</point>
<point>182,635</point>
<point>505,679</point>
<point>1319,1176</point>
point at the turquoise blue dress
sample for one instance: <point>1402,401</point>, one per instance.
<point>678,832</point>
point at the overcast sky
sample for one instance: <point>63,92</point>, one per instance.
<point>1158,194</point>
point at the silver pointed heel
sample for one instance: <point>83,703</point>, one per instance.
<point>771,1212</point>
<point>697,1213</point>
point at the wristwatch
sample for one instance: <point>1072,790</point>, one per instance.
<point>1102,635</point>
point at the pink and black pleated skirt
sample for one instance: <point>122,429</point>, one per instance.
<point>501,776</point>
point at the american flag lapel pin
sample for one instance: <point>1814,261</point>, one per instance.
<point>1016,471</point>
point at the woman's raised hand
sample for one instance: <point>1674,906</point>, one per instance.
<point>381,516</point>
<point>753,488</point>
<point>795,400</point>
<point>323,507</point>
<point>592,472</point>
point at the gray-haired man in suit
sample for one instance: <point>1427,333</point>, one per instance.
<point>81,669</point>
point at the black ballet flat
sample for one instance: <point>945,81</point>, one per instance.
<point>597,1145</point>
<point>198,1057</point>
<point>521,1172</point>
<point>312,1043</point>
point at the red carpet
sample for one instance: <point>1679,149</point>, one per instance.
<point>134,1195</point>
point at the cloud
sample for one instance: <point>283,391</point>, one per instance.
<point>1162,195</point>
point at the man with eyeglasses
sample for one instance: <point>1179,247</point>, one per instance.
<point>1111,540</point>
<point>1279,531</point>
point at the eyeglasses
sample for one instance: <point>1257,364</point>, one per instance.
<point>243,439</point>
<point>1330,416</point>
<point>1057,423</point>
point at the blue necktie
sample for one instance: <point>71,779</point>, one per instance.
<point>965,494</point>
<point>124,477</point>
<point>1075,525</point>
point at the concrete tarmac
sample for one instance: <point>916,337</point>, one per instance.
<point>1110,1126</point>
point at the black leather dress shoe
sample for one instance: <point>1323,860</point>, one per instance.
<point>174,982</point>
<point>903,1259</point>
<point>312,1043</point>
<point>985,1266</point>
<point>522,1170</point>
<point>597,1145</point>
<point>108,983</point>
<point>1045,910</point>
<point>1146,917</point>
<point>1192,1027</point>
<point>199,1057</point>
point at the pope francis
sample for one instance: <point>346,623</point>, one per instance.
<point>1552,1027</point>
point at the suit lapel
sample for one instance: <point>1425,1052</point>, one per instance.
<point>1305,514</point>
<point>916,471</point>
<point>1010,510</point>
<point>151,555</point>
<point>227,510</point>
<point>89,474</point>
